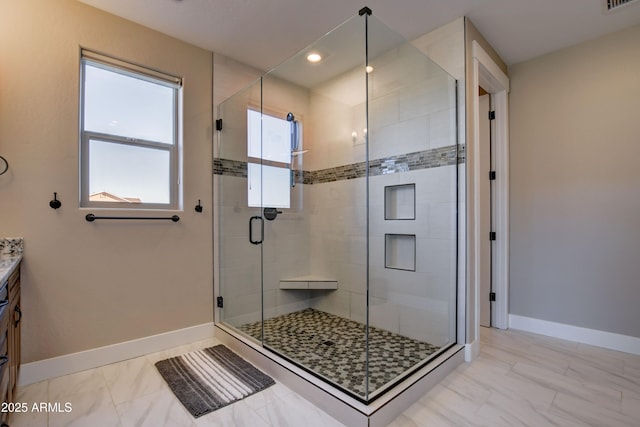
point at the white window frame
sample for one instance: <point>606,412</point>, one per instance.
<point>129,69</point>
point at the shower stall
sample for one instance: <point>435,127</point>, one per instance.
<point>336,189</point>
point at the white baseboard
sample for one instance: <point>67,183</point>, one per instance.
<point>70,363</point>
<point>610,340</point>
<point>471,350</point>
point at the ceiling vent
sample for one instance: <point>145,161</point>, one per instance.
<point>616,4</point>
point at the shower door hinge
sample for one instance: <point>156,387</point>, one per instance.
<point>492,115</point>
<point>492,296</point>
<point>492,175</point>
<point>218,124</point>
<point>220,302</point>
<point>492,235</point>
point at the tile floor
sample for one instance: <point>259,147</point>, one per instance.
<point>519,379</point>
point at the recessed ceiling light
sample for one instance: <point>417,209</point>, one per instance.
<point>368,68</point>
<point>314,57</point>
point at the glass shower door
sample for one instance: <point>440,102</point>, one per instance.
<point>239,229</point>
<point>261,227</point>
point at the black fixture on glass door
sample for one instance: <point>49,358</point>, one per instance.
<point>270,213</point>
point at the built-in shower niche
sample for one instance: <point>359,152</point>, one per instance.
<point>400,202</point>
<point>400,251</point>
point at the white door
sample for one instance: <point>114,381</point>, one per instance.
<point>485,211</point>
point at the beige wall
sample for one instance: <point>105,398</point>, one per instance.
<point>575,194</point>
<point>87,285</point>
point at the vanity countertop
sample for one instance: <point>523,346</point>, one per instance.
<point>11,249</point>
<point>8,264</point>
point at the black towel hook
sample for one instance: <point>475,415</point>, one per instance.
<point>6,166</point>
<point>198,207</point>
<point>55,203</point>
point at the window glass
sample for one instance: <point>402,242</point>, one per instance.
<point>269,137</point>
<point>125,173</point>
<point>268,186</point>
<point>269,152</point>
<point>119,104</point>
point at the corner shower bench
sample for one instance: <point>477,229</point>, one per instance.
<point>308,282</point>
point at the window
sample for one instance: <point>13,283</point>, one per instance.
<point>129,135</point>
<point>271,142</point>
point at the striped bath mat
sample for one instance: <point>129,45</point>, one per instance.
<point>209,379</point>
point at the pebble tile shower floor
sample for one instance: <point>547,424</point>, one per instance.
<point>334,347</point>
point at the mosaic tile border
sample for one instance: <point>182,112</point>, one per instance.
<point>11,245</point>
<point>229,167</point>
<point>433,158</point>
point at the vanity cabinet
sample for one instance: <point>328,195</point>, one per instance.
<point>4,344</point>
<point>15,322</point>
<point>10,326</point>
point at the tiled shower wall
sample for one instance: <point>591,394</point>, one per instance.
<point>419,303</point>
<point>412,140</point>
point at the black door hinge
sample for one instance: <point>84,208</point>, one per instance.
<point>492,235</point>
<point>492,115</point>
<point>492,296</point>
<point>219,302</point>
<point>219,124</point>
<point>492,175</point>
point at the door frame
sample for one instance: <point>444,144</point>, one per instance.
<point>487,74</point>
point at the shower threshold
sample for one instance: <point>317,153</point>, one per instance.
<point>335,348</point>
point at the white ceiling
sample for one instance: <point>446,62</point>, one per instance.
<point>264,33</point>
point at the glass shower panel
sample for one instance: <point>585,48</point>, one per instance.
<point>412,206</point>
<point>239,260</point>
<point>337,196</point>
<point>315,251</point>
